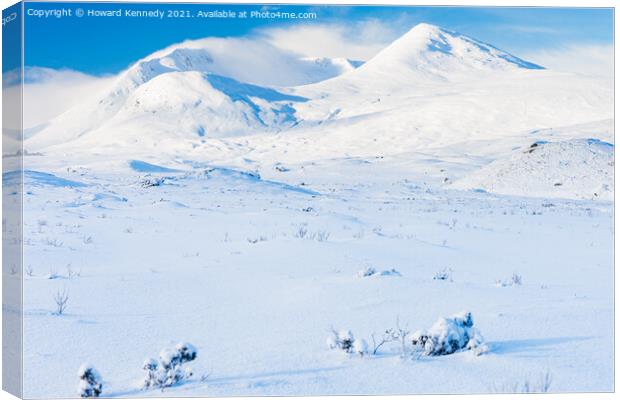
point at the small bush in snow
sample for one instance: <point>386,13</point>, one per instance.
<point>70,272</point>
<point>443,275</point>
<point>53,242</point>
<point>449,335</point>
<point>258,239</point>
<point>515,280</point>
<point>321,236</point>
<point>151,182</point>
<point>151,379</point>
<point>301,232</point>
<point>389,335</point>
<point>169,370</point>
<point>397,334</point>
<point>342,340</point>
<point>90,381</point>
<point>366,272</point>
<point>360,347</point>
<point>390,272</point>
<point>369,271</point>
<point>542,385</point>
<point>281,168</point>
<point>61,298</point>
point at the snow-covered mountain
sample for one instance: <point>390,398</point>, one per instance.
<point>165,74</point>
<point>428,90</point>
<point>433,87</point>
<point>432,50</point>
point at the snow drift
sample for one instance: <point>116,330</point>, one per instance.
<point>575,169</point>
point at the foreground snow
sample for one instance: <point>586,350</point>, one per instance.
<point>218,260</point>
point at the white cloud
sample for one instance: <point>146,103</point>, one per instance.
<point>48,92</point>
<point>588,59</point>
<point>357,41</point>
<point>270,65</point>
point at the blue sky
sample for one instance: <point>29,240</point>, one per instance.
<point>108,45</point>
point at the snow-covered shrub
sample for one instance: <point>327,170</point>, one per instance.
<point>321,236</point>
<point>449,335</point>
<point>280,168</point>
<point>61,298</point>
<point>169,370</point>
<point>90,381</point>
<point>390,272</point>
<point>366,272</point>
<point>342,340</point>
<point>370,271</point>
<point>540,385</point>
<point>389,335</point>
<point>257,239</point>
<point>443,275</point>
<point>515,280</point>
<point>398,334</point>
<point>301,232</point>
<point>148,182</point>
<point>150,365</point>
<point>360,347</point>
<point>332,342</point>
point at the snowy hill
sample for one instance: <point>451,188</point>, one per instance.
<point>574,169</point>
<point>208,105</point>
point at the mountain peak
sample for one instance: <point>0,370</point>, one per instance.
<point>436,51</point>
<point>425,28</point>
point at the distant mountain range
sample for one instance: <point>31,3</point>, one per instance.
<point>430,87</point>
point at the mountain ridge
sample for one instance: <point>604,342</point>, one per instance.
<point>389,92</point>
